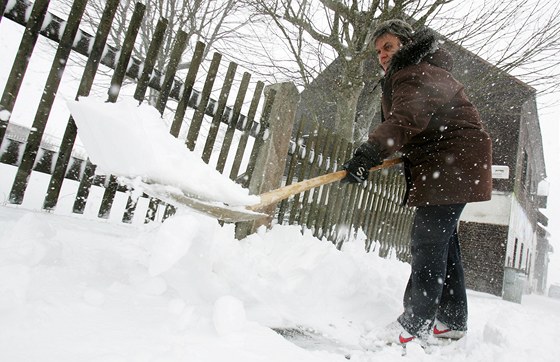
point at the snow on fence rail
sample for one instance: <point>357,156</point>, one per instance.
<point>233,141</point>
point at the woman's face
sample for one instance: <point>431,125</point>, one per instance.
<point>386,46</point>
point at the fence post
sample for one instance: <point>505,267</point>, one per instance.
<point>271,159</point>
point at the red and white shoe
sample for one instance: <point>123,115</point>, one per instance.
<point>394,333</point>
<point>442,331</point>
<point>405,337</point>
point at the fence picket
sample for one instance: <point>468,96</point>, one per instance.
<point>384,248</point>
<point>326,196</point>
<point>310,197</point>
<point>377,202</point>
<point>321,193</point>
<point>368,209</point>
<point>165,92</point>
<point>150,61</point>
<point>139,94</point>
<point>246,127</point>
<point>396,215</point>
<point>113,94</point>
<point>19,67</point>
<point>356,214</point>
<point>218,114</point>
<point>262,127</point>
<point>83,188</point>
<point>388,226</point>
<point>308,173</point>
<point>197,58</point>
<point>196,123</point>
<point>291,163</point>
<point>344,201</point>
<point>303,163</point>
<point>232,122</point>
<point>47,99</point>
<point>334,196</point>
<point>397,200</point>
<point>174,59</point>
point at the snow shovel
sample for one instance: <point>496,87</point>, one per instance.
<point>230,213</point>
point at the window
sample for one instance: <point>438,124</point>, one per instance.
<point>514,253</point>
<point>525,171</point>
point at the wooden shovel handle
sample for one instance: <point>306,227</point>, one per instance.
<point>279,194</point>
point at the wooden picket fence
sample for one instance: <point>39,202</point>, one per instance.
<point>338,212</point>
<point>334,212</point>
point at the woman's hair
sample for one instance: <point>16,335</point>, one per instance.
<point>399,28</point>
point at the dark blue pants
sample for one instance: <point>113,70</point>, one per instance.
<point>436,287</point>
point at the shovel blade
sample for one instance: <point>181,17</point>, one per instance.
<point>215,209</point>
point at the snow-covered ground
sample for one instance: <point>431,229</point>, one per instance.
<point>75,289</point>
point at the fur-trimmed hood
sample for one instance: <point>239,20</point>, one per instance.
<point>424,46</point>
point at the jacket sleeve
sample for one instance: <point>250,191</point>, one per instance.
<point>416,96</point>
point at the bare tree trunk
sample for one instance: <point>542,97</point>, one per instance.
<point>347,95</point>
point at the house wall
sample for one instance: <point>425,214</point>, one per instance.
<point>495,234</point>
<point>483,233</point>
<point>530,158</point>
<point>523,244</point>
<point>483,251</point>
<point>540,277</point>
<point>521,238</point>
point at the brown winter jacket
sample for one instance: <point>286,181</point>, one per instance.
<point>429,119</point>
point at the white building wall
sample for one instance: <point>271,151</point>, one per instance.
<point>521,229</point>
<point>495,211</point>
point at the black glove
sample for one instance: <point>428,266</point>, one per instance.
<point>365,157</point>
